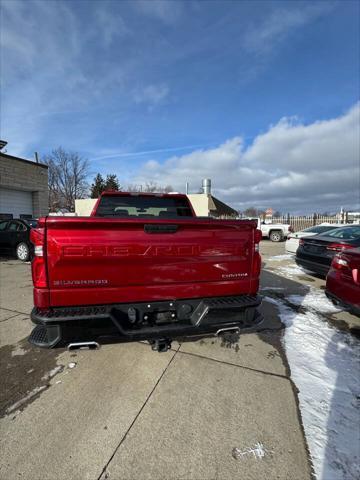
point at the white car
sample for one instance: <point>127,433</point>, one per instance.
<point>292,242</point>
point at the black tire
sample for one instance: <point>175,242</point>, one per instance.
<point>276,236</point>
<point>23,252</point>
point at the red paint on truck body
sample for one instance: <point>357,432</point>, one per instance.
<point>93,260</point>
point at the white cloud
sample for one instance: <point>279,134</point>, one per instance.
<point>264,37</point>
<point>166,10</point>
<point>151,95</point>
<point>110,25</point>
<point>46,71</point>
<point>291,167</point>
<point>34,62</point>
<point>302,148</point>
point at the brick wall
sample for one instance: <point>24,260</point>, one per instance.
<point>21,174</point>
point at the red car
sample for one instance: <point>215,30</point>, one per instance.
<point>143,267</point>
<point>343,280</point>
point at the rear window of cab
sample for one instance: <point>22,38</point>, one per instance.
<point>143,207</point>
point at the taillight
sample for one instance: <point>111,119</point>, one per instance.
<point>38,267</point>
<point>291,229</point>
<point>301,241</point>
<point>356,275</point>
<point>339,263</point>
<point>258,236</point>
<point>257,240</point>
<point>338,247</point>
<point>256,266</point>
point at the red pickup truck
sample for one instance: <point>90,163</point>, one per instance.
<point>143,267</point>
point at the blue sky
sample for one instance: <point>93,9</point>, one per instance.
<point>157,89</point>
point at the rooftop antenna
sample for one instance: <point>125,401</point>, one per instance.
<point>3,144</point>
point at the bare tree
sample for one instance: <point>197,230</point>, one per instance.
<point>154,187</point>
<point>151,186</point>
<point>68,173</point>
<point>134,188</point>
<point>251,212</point>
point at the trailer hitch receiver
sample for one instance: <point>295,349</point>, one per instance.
<point>160,344</point>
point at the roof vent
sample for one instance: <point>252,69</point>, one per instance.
<point>206,186</point>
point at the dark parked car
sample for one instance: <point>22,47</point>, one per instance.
<point>343,280</point>
<point>15,238</point>
<point>316,253</point>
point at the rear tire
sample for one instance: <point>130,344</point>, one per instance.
<point>23,252</point>
<point>276,236</point>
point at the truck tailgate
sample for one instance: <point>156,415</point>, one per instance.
<point>94,261</point>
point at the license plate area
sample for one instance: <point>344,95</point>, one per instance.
<point>314,249</point>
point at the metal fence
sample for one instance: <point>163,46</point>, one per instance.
<point>301,222</point>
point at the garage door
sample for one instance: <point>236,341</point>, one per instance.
<point>15,203</point>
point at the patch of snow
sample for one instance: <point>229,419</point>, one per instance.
<point>72,365</point>
<point>315,299</point>
<point>18,404</point>
<point>18,351</point>
<point>324,365</point>
<point>279,258</point>
<point>271,288</point>
<point>52,373</point>
<point>258,452</point>
<point>291,271</point>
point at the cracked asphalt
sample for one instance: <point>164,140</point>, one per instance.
<point>125,412</point>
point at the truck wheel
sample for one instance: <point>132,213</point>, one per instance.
<point>23,252</point>
<point>276,236</point>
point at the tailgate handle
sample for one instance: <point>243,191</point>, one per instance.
<point>159,228</point>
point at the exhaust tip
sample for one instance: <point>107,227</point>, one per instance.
<point>221,331</point>
<point>83,346</point>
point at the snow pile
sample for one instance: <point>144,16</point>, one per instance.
<point>324,365</point>
<point>278,258</point>
<point>291,270</point>
<point>53,372</point>
<point>264,289</point>
<point>316,300</point>
<point>29,396</point>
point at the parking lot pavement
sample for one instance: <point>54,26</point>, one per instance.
<point>207,409</point>
<point>16,286</point>
<point>201,411</point>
